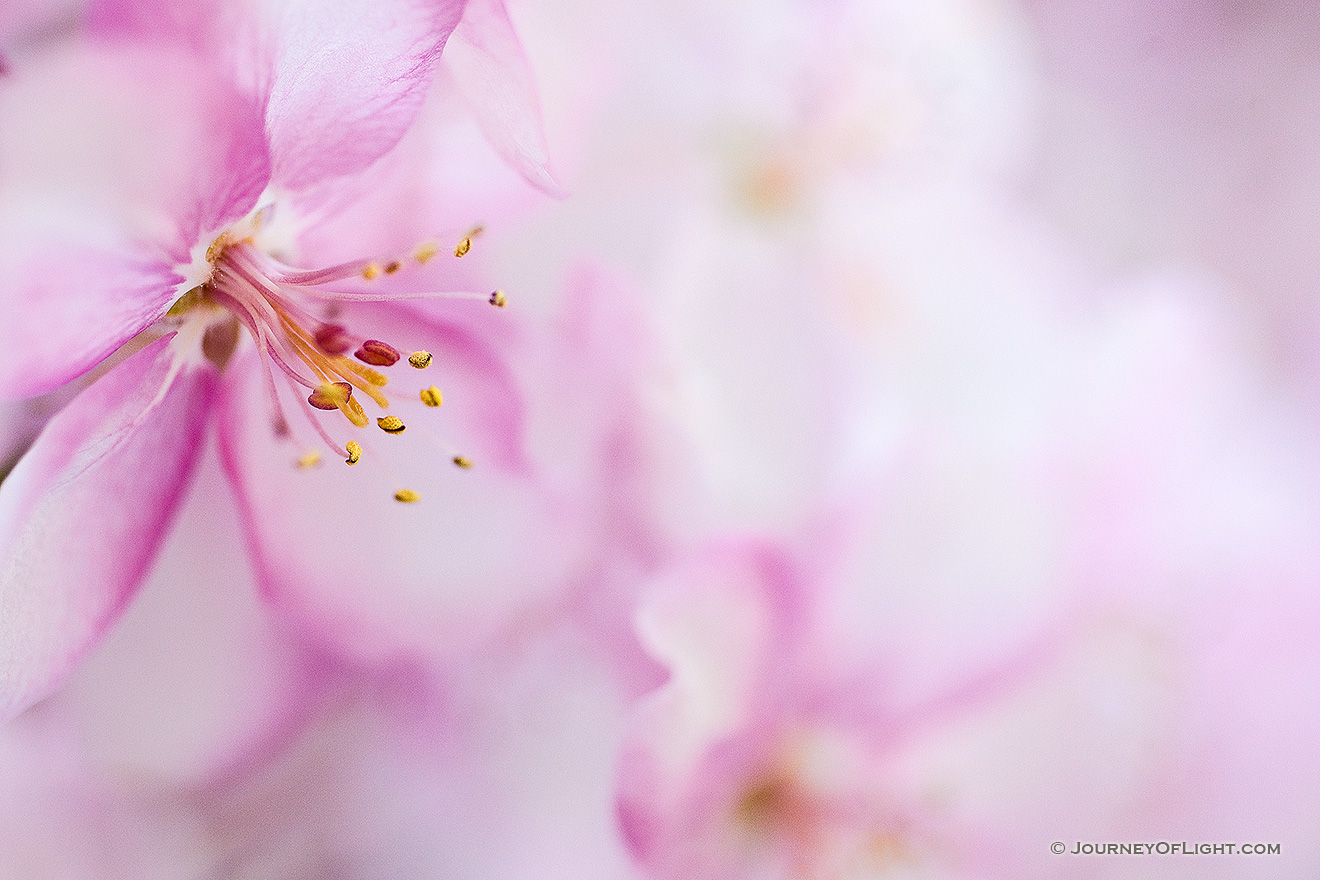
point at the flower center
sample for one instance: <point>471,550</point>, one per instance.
<point>324,362</point>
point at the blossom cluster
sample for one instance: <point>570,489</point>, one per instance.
<point>755,485</point>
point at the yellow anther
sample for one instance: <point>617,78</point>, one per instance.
<point>391,424</point>
<point>391,267</point>
<point>464,463</point>
<point>354,452</point>
<point>420,359</point>
<point>217,247</point>
<point>370,271</point>
<point>310,459</point>
<point>432,397</point>
<point>425,251</point>
<point>407,496</point>
<point>497,299</point>
<point>463,246</point>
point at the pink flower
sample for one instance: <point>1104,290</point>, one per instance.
<point>155,196</point>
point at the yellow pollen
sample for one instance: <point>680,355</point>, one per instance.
<point>391,267</point>
<point>370,271</point>
<point>391,424</point>
<point>463,247</point>
<point>432,397</point>
<point>464,463</point>
<point>354,452</point>
<point>407,496</point>
<point>425,251</point>
<point>498,300</point>
<point>310,459</point>
<point>420,359</point>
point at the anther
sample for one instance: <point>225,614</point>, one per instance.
<point>425,251</point>
<point>407,496</point>
<point>310,459</point>
<point>354,452</point>
<point>463,247</point>
<point>217,247</point>
<point>391,267</point>
<point>332,395</point>
<point>431,396</point>
<point>391,424</point>
<point>420,359</point>
<point>333,339</point>
<point>464,463</point>
<point>497,299</point>
<point>370,271</point>
<point>377,353</point>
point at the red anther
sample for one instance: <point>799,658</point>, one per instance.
<point>331,396</point>
<point>333,339</point>
<point>377,353</point>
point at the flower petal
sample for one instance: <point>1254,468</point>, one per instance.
<point>491,70</point>
<point>83,513</point>
<point>136,145</point>
<point>194,674</point>
<point>51,335</point>
<point>123,159</point>
<point>347,79</point>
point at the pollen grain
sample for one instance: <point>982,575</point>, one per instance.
<point>432,396</point>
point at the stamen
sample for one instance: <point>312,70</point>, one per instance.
<point>377,353</point>
<point>311,349</point>
<point>463,247</point>
<point>332,395</point>
<point>497,299</point>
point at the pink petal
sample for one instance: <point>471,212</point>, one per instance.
<point>194,674</point>
<point>353,566</point>
<point>52,335</point>
<point>491,70</point>
<point>83,513</point>
<point>347,79</point>
<point>124,160</point>
<point>127,146</point>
